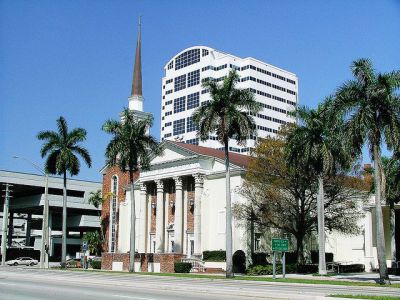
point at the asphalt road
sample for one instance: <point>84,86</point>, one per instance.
<point>24,283</point>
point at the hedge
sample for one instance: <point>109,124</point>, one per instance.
<point>239,261</point>
<point>182,267</point>
<point>290,268</point>
<point>215,255</point>
<point>353,268</point>
<point>96,264</point>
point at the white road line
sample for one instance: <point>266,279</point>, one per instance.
<point>6,283</point>
<point>131,297</point>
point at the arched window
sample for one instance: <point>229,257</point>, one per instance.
<point>113,213</point>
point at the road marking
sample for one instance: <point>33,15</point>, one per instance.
<point>5,283</point>
<point>131,297</point>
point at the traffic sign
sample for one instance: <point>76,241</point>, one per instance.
<point>84,246</point>
<point>280,245</point>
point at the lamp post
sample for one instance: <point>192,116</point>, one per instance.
<point>44,255</point>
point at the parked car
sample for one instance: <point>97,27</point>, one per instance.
<point>27,261</point>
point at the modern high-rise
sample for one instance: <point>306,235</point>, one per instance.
<point>182,92</point>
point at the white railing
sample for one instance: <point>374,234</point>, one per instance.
<point>197,264</point>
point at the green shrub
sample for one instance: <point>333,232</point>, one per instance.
<point>96,264</point>
<point>215,255</point>
<point>353,268</point>
<point>259,259</point>
<point>239,262</point>
<point>182,267</point>
<point>290,269</point>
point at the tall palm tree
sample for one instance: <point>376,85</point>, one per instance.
<point>314,145</point>
<point>370,107</point>
<point>62,148</point>
<point>131,149</point>
<point>228,114</point>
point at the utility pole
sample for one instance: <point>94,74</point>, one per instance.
<point>44,254</point>
<point>44,249</point>
<point>5,224</point>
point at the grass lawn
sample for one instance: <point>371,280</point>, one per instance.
<point>365,297</point>
<point>256,278</point>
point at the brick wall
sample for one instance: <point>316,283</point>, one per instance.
<point>190,212</point>
<point>166,260</point>
<point>123,181</point>
<point>171,210</point>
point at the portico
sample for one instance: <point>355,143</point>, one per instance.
<point>170,214</point>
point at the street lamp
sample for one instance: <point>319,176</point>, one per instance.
<point>44,255</point>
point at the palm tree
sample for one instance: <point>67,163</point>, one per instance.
<point>228,114</point>
<point>96,199</point>
<point>315,146</point>
<point>370,107</point>
<point>61,148</point>
<point>131,149</point>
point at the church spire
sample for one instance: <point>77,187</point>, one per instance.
<point>136,98</point>
<point>137,71</point>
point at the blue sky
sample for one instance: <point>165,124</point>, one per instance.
<point>75,58</point>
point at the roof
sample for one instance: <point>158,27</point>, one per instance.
<point>239,160</point>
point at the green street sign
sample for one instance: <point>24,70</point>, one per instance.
<point>281,245</point>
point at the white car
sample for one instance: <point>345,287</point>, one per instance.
<point>27,261</point>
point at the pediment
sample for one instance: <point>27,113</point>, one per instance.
<point>171,154</point>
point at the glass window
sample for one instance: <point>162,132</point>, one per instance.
<point>179,126</point>
<point>187,58</point>
<point>193,100</point>
<point>190,125</point>
<point>204,52</point>
<point>194,78</point>
<point>179,104</point>
<point>114,191</point>
<point>180,83</point>
<point>192,141</point>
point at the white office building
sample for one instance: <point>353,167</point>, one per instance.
<point>182,92</point>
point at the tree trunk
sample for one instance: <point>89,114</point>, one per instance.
<point>321,227</point>
<point>64,224</point>
<point>392,220</point>
<point>133,225</point>
<point>380,236</point>
<point>229,264</point>
<point>300,249</point>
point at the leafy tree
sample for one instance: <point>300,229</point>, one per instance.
<point>370,108</point>
<point>61,148</point>
<point>314,145</point>
<point>93,240</point>
<point>228,114</point>
<point>131,149</point>
<point>285,198</point>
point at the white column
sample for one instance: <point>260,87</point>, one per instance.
<point>199,179</point>
<point>160,217</point>
<point>142,218</point>
<point>178,222</point>
<point>368,241</point>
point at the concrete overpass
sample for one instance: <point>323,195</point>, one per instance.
<point>26,211</point>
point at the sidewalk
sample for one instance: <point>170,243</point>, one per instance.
<point>356,277</point>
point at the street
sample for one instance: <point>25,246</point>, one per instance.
<point>30,283</point>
